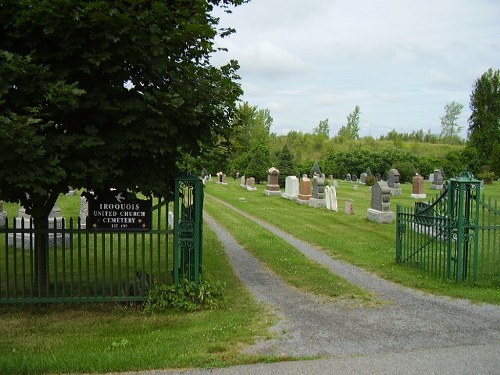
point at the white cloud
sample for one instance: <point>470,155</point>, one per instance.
<point>400,61</point>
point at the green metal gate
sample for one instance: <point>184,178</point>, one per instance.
<point>188,208</point>
<point>442,236</point>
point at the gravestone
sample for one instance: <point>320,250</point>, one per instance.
<point>418,187</point>
<point>393,182</point>
<point>380,208</point>
<point>330,177</point>
<point>3,215</point>
<point>84,212</point>
<point>23,220</point>
<point>348,207</point>
<point>221,178</point>
<point>273,186</point>
<point>335,184</point>
<point>243,182</point>
<point>70,192</point>
<point>304,191</point>
<point>437,181</point>
<point>378,177</point>
<point>354,178</point>
<point>318,193</point>
<point>331,198</point>
<point>291,188</point>
<point>250,182</point>
<point>348,177</point>
<point>362,178</point>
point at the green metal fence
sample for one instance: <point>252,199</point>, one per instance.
<point>455,236</point>
<point>104,266</point>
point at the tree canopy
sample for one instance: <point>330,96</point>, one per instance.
<point>484,122</point>
<point>99,94</point>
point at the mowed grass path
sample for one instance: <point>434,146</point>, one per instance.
<point>352,238</point>
<point>109,338</point>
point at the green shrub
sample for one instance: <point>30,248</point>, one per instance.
<point>370,180</point>
<point>186,296</point>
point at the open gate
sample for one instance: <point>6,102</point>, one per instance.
<point>442,236</point>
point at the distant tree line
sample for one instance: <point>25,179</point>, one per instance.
<point>252,148</point>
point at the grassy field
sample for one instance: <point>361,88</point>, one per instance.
<point>350,238</point>
<point>115,337</point>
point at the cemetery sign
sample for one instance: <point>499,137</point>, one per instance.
<point>118,211</point>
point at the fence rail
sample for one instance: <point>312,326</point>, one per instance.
<point>84,266</point>
<point>455,237</point>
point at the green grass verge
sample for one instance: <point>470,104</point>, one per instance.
<point>352,238</point>
<point>284,259</point>
<point>104,338</point>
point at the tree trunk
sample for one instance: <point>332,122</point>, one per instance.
<point>41,255</point>
<point>40,213</point>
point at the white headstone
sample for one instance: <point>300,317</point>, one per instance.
<point>331,198</point>
<point>291,187</point>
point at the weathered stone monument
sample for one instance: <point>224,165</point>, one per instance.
<point>348,177</point>
<point>273,186</point>
<point>84,212</point>
<point>348,207</point>
<point>318,192</point>
<point>331,198</point>
<point>250,183</point>
<point>23,220</point>
<point>291,188</point>
<point>221,178</point>
<point>437,181</point>
<point>243,182</point>
<point>393,182</point>
<point>3,215</point>
<point>418,187</point>
<point>362,178</point>
<point>304,190</point>
<point>380,210</point>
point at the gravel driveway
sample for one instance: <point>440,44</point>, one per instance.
<point>409,333</point>
<point>408,320</point>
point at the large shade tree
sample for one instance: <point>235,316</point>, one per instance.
<point>99,94</point>
<point>484,122</point>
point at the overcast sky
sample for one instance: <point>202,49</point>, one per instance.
<point>401,61</point>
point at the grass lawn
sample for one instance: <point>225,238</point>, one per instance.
<point>350,238</point>
<point>108,337</point>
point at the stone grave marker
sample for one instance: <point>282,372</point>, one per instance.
<point>437,181</point>
<point>291,188</point>
<point>84,212</point>
<point>273,186</point>
<point>348,177</point>
<point>393,182</point>
<point>362,178</point>
<point>349,207</point>
<point>243,182</point>
<point>3,215</point>
<point>318,193</point>
<point>418,187</point>
<point>304,191</point>
<point>331,198</point>
<point>380,208</point>
<point>250,183</point>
